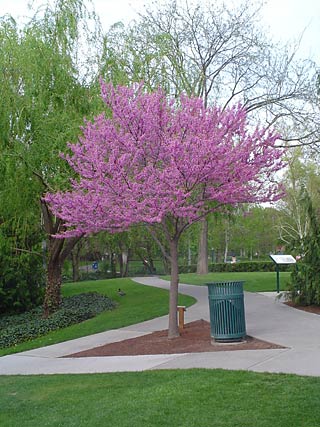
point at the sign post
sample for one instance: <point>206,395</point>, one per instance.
<point>281,260</point>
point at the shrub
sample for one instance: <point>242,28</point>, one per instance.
<point>21,282</point>
<point>304,287</point>
<point>21,267</point>
<point>246,266</point>
<point>192,268</point>
<point>27,326</point>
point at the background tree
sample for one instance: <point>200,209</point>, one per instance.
<point>223,55</point>
<point>302,175</point>
<point>22,278</point>
<point>44,89</point>
<point>255,232</point>
<point>164,164</point>
<point>252,233</point>
<point>304,288</point>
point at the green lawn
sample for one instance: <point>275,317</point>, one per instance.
<point>254,281</point>
<point>140,303</point>
<point>182,398</point>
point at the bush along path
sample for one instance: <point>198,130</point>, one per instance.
<point>75,309</point>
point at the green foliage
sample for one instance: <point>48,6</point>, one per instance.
<point>302,175</point>
<point>48,83</point>
<point>22,276</point>
<point>75,309</point>
<point>304,287</point>
<point>21,283</point>
<point>250,232</point>
<point>236,267</point>
<point>254,231</point>
<point>253,281</point>
<point>247,266</point>
<point>95,275</point>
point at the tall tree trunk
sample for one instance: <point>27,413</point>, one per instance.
<point>202,266</point>
<point>127,260</point>
<point>226,244</point>
<point>173,330</point>
<point>75,264</point>
<point>121,265</point>
<point>189,253</point>
<point>113,265</point>
<point>124,256</point>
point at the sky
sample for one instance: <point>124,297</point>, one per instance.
<point>286,19</point>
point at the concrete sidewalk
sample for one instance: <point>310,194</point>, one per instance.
<point>266,318</point>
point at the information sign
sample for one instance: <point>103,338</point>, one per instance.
<point>281,259</point>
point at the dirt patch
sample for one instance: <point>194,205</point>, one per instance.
<point>315,309</point>
<point>195,338</point>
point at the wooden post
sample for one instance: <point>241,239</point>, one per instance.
<point>181,309</point>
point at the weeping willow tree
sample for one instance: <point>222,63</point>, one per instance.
<point>304,288</point>
<point>48,68</point>
<point>21,261</point>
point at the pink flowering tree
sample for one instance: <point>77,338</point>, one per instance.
<point>165,164</point>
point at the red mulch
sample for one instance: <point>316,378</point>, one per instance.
<point>195,338</point>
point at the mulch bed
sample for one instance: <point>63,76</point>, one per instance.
<point>315,309</point>
<point>195,338</point>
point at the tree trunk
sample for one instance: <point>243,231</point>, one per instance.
<point>152,268</point>
<point>226,244</point>
<point>121,265</point>
<point>202,267</point>
<point>189,253</point>
<point>127,260</point>
<point>147,262</point>
<point>58,250</point>
<point>173,330</point>
<point>52,297</point>
<point>75,265</point>
<point>124,263</point>
<point>113,265</point>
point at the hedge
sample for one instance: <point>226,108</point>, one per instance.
<point>246,266</point>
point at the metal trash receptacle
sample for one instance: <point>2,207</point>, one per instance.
<point>227,316</point>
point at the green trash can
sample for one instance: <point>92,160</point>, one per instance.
<point>227,318</point>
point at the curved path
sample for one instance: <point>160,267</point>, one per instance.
<point>266,318</point>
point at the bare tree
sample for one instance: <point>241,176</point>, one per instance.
<point>224,56</point>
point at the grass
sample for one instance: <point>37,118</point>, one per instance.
<point>254,281</point>
<point>140,303</point>
<point>184,398</point>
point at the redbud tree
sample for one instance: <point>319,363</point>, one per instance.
<point>164,163</point>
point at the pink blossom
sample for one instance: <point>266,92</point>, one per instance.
<point>155,159</point>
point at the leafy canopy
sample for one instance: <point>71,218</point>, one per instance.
<point>157,160</point>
